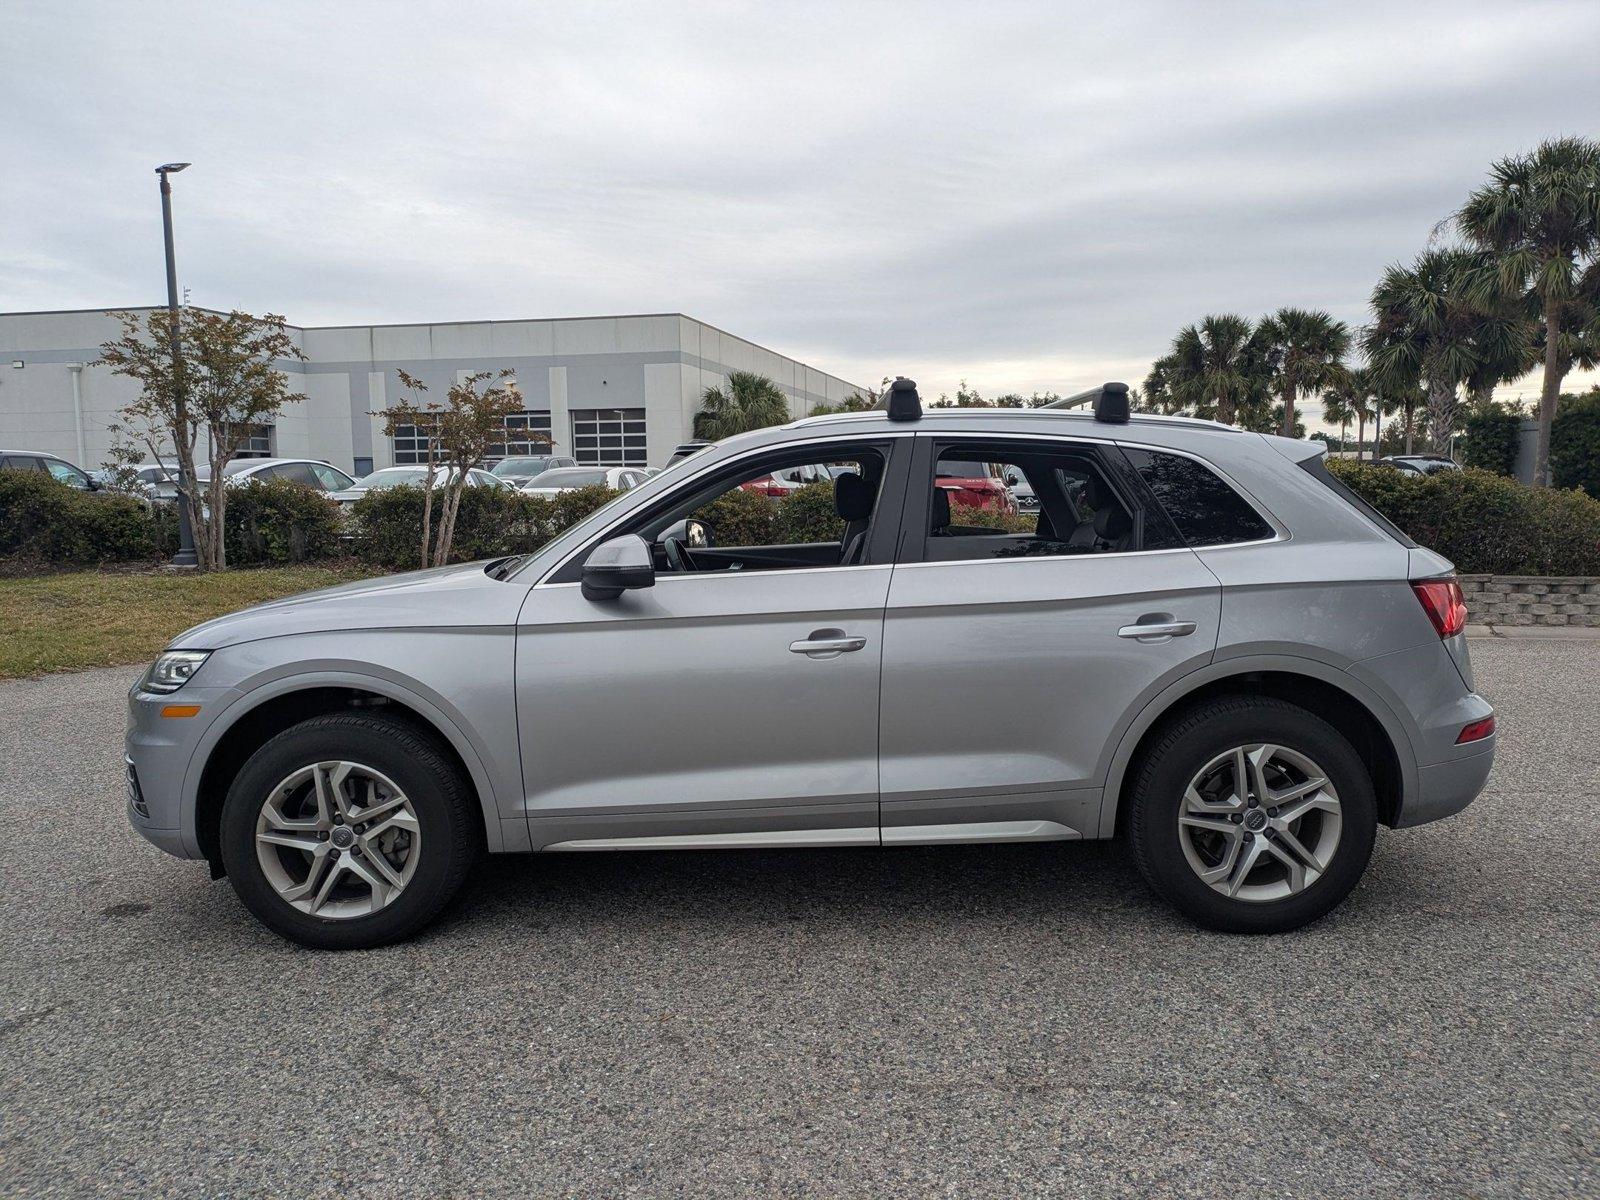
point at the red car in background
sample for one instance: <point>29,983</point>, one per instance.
<point>780,483</point>
<point>975,484</point>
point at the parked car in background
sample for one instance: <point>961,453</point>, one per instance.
<point>1420,464</point>
<point>518,471</point>
<point>1207,645</point>
<point>975,485</point>
<point>57,468</point>
<point>389,477</point>
<point>1021,492</point>
<point>685,449</point>
<point>311,472</point>
<point>146,477</point>
<point>780,483</point>
<point>569,479</point>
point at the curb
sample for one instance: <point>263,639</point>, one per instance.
<point>1535,633</point>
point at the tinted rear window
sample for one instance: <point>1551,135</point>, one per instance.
<point>1206,511</point>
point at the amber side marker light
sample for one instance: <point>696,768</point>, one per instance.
<point>179,710</point>
<point>1476,731</point>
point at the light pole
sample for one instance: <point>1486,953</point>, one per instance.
<point>186,556</point>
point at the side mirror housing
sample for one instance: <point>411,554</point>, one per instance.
<point>617,565</point>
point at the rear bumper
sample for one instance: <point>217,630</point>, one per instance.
<point>1444,789</point>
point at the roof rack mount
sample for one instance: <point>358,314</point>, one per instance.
<point>1110,402</point>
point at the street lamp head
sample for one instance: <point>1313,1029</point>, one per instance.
<point>170,168</point>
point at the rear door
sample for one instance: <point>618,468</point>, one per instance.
<point>1013,656</point>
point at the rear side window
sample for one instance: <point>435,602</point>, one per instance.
<point>1206,511</point>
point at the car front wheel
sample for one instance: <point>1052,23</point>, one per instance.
<point>348,831</point>
<point>1252,815</point>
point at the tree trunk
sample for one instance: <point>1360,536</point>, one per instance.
<point>1550,395</point>
<point>1411,423</point>
<point>1288,410</point>
<point>1441,415</point>
<point>427,520</point>
<point>1361,432</point>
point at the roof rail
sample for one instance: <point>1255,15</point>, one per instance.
<point>1110,402</point>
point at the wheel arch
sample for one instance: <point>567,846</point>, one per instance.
<point>1334,695</point>
<point>287,702</point>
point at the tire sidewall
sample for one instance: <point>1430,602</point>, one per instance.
<point>381,746</point>
<point>1195,742</point>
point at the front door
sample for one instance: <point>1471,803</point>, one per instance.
<point>1012,651</point>
<point>735,702</point>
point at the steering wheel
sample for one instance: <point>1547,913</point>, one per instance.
<point>677,557</point>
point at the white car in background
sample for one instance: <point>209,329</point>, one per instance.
<point>309,471</point>
<point>390,477</point>
<point>570,479</point>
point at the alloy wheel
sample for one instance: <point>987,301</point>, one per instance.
<point>1260,822</point>
<point>338,840</point>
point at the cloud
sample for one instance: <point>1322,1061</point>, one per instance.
<point>1020,195</point>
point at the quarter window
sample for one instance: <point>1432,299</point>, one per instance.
<point>1205,510</point>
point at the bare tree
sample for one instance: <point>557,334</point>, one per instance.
<point>223,380</point>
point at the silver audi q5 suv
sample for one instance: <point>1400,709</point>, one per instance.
<point>1199,641</point>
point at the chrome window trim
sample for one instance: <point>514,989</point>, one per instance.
<point>707,468</point>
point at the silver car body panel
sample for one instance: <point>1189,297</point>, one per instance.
<point>990,700</point>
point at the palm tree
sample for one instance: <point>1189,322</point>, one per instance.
<point>1308,349</point>
<point>1539,215</point>
<point>1424,333</point>
<point>1212,367</point>
<point>747,401</point>
<point>1338,406</point>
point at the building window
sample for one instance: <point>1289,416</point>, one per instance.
<point>608,437</point>
<point>256,442</point>
<point>411,442</point>
<point>526,433</point>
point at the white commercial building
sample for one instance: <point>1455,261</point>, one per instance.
<point>617,391</point>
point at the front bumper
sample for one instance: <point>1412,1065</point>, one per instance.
<point>158,752</point>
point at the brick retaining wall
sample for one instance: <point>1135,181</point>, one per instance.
<point>1532,599</point>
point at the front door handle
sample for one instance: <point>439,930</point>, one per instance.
<point>1156,627</point>
<point>827,643</point>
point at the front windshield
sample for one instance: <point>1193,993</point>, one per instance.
<point>520,466</point>
<point>388,478</point>
<point>570,477</point>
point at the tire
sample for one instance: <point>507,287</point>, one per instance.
<point>434,832</point>
<point>1200,747</point>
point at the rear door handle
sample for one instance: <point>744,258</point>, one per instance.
<point>827,643</point>
<point>1153,630</point>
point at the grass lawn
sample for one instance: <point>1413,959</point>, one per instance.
<point>84,619</point>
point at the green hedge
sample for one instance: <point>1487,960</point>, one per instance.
<point>43,522</point>
<point>1575,443</point>
<point>277,521</point>
<point>491,523</point>
<point>1490,440</point>
<point>1485,523</point>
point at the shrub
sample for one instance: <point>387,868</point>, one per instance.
<point>808,514</point>
<point>992,518</point>
<point>740,518</point>
<point>43,521</point>
<point>1575,443</point>
<point>491,523</point>
<point>1491,438</point>
<point>1485,523</point>
<point>278,521</point>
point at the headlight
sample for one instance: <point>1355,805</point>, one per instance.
<point>173,669</point>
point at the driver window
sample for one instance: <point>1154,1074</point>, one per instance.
<point>784,515</point>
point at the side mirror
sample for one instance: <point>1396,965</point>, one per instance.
<point>615,566</point>
<point>696,535</point>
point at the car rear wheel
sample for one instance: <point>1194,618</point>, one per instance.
<point>1252,815</point>
<point>348,831</point>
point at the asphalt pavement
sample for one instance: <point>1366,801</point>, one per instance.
<point>956,1021</point>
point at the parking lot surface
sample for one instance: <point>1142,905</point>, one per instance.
<point>980,1021</point>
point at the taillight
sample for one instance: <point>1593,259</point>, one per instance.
<point>1476,731</point>
<point>1443,602</point>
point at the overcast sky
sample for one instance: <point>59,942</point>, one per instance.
<point>1027,196</point>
